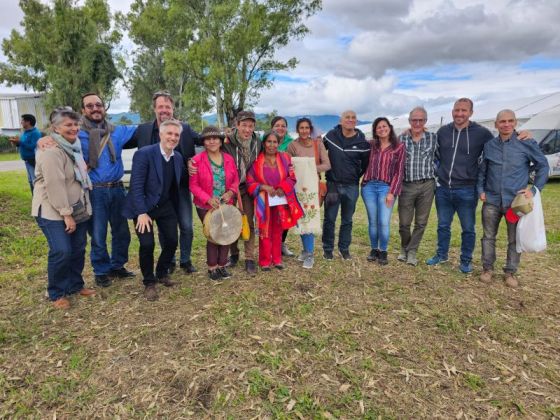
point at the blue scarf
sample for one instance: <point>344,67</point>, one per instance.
<point>74,152</point>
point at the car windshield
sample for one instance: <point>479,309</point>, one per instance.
<point>539,135</point>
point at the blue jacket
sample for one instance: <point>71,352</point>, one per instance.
<point>146,180</point>
<point>459,153</point>
<point>506,166</point>
<point>148,133</point>
<point>28,142</point>
<point>106,170</point>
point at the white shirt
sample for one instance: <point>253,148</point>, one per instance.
<point>167,158</point>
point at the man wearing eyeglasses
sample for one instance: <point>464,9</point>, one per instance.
<point>417,195</point>
<point>102,145</point>
<point>147,134</point>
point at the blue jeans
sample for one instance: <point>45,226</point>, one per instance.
<point>308,242</point>
<point>106,204</point>
<point>463,201</point>
<point>66,257</point>
<point>30,174</point>
<point>185,219</point>
<point>379,215</point>
<point>347,198</point>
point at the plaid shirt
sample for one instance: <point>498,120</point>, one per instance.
<point>420,157</point>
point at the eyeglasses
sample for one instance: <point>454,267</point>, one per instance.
<point>93,106</point>
<point>415,121</point>
<point>159,93</point>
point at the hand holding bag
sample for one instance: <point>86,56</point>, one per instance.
<point>531,234</point>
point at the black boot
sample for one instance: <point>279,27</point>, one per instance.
<point>373,255</point>
<point>382,259</point>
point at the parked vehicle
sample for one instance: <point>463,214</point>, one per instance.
<point>545,128</point>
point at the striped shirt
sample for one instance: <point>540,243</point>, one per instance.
<point>419,157</point>
<point>387,166</point>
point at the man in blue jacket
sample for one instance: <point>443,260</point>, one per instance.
<point>349,156</point>
<point>154,196</point>
<point>102,145</point>
<point>503,174</point>
<point>27,143</point>
<point>148,133</point>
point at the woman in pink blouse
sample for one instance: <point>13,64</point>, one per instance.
<point>381,185</point>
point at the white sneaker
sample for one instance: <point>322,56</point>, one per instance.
<point>286,251</point>
<point>301,257</point>
<point>308,261</point>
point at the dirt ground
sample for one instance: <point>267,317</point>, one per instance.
<point>348,339</point>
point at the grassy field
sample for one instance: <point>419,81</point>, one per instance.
<point>4,157</point>
<point>348,339</point>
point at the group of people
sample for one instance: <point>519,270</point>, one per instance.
<point>278,182</point>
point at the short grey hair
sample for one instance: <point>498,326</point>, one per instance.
<point>58,116</point>
<point>419,109</point>
<point>503,111</point>
<point>172,122</point>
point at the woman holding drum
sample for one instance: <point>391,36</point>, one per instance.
<point>271,182</point>
<point>215,182</point>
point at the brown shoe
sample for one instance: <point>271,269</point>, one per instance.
<point>61,303</point>
<point>150,293</point>
<point>87,292</point>
<point>166,281</point>
<point>486,276</point>
<point>510,280</point>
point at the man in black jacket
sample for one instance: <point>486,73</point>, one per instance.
<point>349,156</point>
<point>147,134</point>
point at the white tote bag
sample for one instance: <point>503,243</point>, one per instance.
<point>531,234</point>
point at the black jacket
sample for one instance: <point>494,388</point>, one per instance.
<point>458,154</point>
<point>148,133</point>
<point>349,156</point>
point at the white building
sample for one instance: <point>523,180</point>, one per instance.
<point>14,105</point>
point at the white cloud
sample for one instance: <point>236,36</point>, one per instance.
<point>382,57</point>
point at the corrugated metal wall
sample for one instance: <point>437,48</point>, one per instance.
<point>12,107</point>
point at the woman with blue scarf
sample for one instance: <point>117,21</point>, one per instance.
<point>62,208</point>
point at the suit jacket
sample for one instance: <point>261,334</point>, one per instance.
<point>189,138</point>
<point>146,180</point>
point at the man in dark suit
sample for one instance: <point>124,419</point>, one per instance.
<point>154,196</point>
<point>147,134</point>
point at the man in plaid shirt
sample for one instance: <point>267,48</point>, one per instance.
<point>417,195</point>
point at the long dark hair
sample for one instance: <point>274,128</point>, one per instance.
<point>302,120</point>
<point>276,119</point>
<point>267,135</point>
<point>393,139</point>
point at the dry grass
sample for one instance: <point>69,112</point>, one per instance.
<point>348,339</point>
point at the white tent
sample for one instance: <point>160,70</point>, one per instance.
<point>484,112</point>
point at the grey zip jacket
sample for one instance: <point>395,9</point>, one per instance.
<point>459,153</point>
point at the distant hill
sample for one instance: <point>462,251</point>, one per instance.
<point>321,122</point>
<point>133,117</point>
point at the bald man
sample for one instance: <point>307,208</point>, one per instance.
<point>504,173</point>
<point>349,155</point>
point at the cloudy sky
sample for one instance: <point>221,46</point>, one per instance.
<point>382,57</point>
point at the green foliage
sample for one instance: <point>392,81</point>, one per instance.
<point>65,50</point>
<point>215,53</point>
<point>263,124</point>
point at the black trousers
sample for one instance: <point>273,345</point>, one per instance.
<point>165,217</point>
